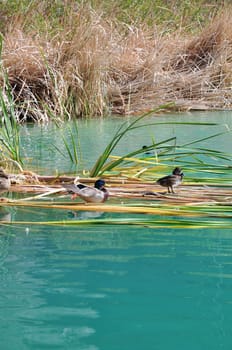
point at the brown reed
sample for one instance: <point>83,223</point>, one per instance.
<point>91,65</point>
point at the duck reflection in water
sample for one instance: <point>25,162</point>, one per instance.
<point>85,215</point>
<point>5,215</point>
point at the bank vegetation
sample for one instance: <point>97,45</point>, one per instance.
<point>68,59</point>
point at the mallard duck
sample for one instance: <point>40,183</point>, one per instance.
<point>96,194</point>
<point>4,181</point>
<point>171,181</point>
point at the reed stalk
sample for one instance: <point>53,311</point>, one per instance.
<point>162,151</point>
<point>71,142</point>
<point>9,126</point>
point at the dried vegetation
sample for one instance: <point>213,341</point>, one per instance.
<point>91,64</point>
<point>192,206</point>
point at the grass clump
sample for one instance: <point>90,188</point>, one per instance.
<point>94,58</point>
<point>10,144</point>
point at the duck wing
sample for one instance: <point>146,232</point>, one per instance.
<point>72,188</point>
<point>165,179</point>
<point>170,180</point>
<point>92,195</point>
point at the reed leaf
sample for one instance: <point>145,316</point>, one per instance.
<point>121,132</point>
<point>100,166</point>
<point>151,223</point>
<point>109,166</point>
<point>165,155</point>
<point>210,209</point>
<point>206,138</point>
<point>10,128</point>
<point>71,143</point>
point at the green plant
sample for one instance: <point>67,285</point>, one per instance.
<point>163,150</point>
<point>191,212</point>
<point>99,167</point>
<point>10,128</point>
<point>71,143</point>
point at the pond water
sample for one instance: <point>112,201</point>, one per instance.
<point>107,287</point>
<point>40,143</point>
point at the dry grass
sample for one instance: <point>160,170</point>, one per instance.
<point>93,66</point>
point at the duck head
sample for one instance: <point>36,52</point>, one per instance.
<point>99,184</point>
<point>177,171</point>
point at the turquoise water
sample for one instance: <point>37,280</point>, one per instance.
<point>108,287</point>
<point>115,288</point>
<point>40,143</point>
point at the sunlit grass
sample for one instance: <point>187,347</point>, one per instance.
<point>81,58</point>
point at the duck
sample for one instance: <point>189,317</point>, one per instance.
<point>96,194</point>
<point>171,181</point>
<point>4,181</point>
<point>145,150</point>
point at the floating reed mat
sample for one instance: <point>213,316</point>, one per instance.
<point>191,207</point>
<point>194,205</point>
<point>191,194</point>
<point>187,203</point>
<point>120,208</point>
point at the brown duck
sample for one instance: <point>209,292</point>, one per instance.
<point>171,181</point>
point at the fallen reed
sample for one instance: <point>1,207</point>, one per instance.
<point>193,207</point>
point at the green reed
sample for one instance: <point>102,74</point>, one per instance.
<point>71,143</point>
<point>10,129</point>
<point>100,165</point>
<point>163,216</point>
<point>9,125</point>
<point>164,152</point>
